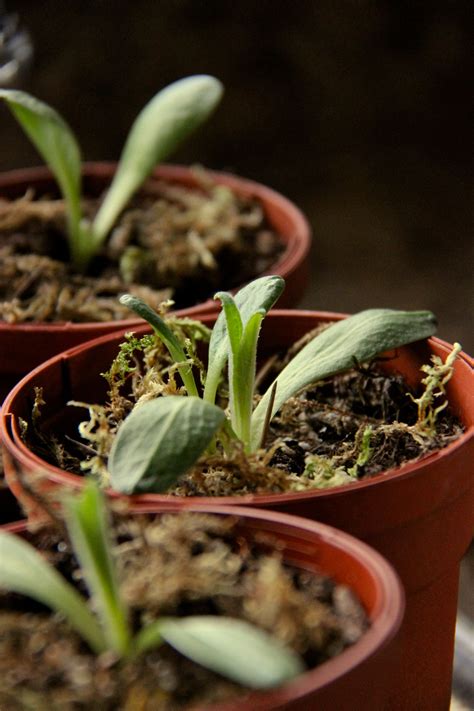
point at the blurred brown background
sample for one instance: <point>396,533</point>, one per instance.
<point>358,111</point>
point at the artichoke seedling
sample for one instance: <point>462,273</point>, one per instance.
<point>160,439</point>
<point>231,647</point>
<point>168,118</point>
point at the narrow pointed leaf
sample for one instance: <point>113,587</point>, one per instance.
<point>233,319</point>
<point>261,293</point>
<point>170,116</point>
<point>57,145</point>
<point>233,648</point>
<point>242,363</point>
<point>87,523</point>
<point>23,570</point>
<point>243,377</point>
<point>234,331</point>
<point>354,340</point>
<point>159,441</point>
<point>166,335</point>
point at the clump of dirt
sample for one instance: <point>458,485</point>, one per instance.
<point>176,565</point>
<point>178,243</point>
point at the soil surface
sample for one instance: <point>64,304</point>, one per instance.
<point>178,565</point>
<point>341,430</point>
<point>181,244</point>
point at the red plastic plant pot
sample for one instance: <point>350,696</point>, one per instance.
<point>420,517</point>
<point>24,346</point>
<point>359,677</point>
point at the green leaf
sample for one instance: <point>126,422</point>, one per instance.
<point>354,340</point>
<point>149,637</point>
<point>172,114</point>
<point>242,364</point>
<point>167,336</point>
<point>234,331</point>
<point>23,570</point>
<point>244,376</point>
<point>260,294</point>
<point>232,318</point>
<point>87,523</point>
<point>58,146</point>
<point>233,648</point>
<point>159,441</point>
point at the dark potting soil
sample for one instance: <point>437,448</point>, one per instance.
<point>181,244</point>
<point>178,565</point>
<point>341,430</point>
<point>345,429</point>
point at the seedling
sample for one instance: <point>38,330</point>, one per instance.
<point>193,423</point>
<point>170,116</point>
<point>231,647</point>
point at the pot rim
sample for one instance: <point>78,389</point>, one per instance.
<point>385,616</point>
<point>295,252</point>
<point>12,442</point>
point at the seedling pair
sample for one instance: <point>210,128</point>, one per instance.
<point>161,126</point>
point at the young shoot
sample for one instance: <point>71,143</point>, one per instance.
<point>141,445</point>
<point>231,647</point>
<point>171,115</point>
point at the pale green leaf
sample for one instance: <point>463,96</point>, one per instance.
<point>233,648</point>
<point>163,332</point>
<point>233,320</point>
<point>243,377</point>
<point>23,570</point>
<point>346,343</point>
<point>260,294</point>
<point>234,331</point>
<point>242,364</point>
<point>87,523</point>
<point>170,116</point>
<point>159,441</point>
<point>57,145</point>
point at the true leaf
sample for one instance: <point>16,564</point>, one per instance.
<point>242,363</point>
<point>23,570</point>
<point>161,126</point>
<point>244,375</point>
<point>260,294</point>
<point>58,146</point>
<point>233,648</point>
<point>341,346</point>
<point>159,441</point>
<point>87,523</point>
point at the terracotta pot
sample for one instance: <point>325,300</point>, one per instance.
<point>421,517</point>
<point>358,678</point>
<point>24,346</point>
